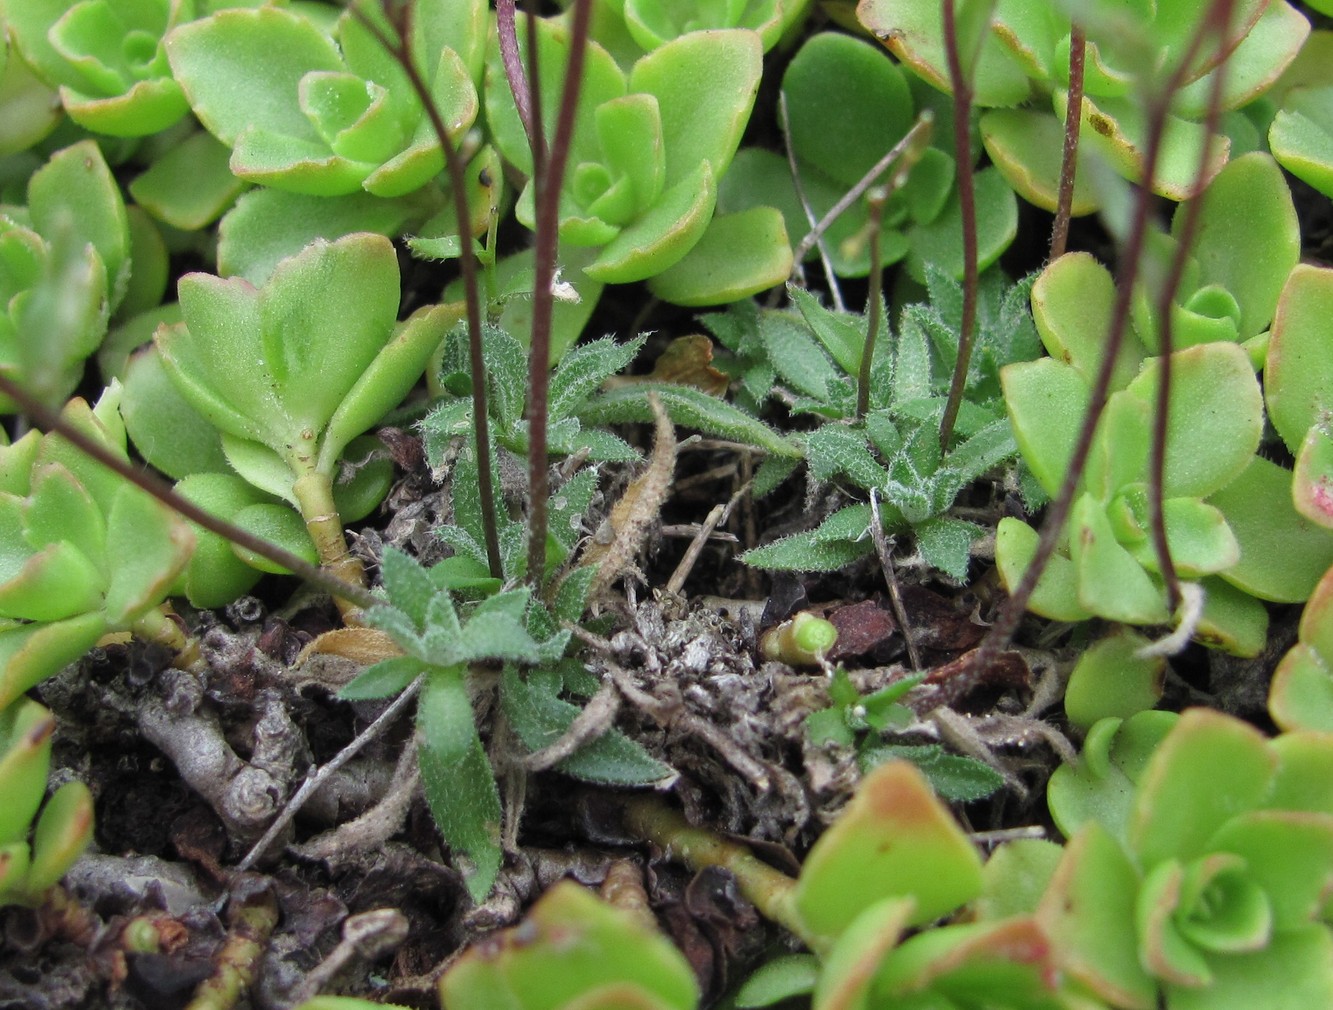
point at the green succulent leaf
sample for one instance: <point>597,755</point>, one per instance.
<point>574,950</point>
<point>894,840</point>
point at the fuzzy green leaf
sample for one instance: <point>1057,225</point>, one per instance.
<point>834,449</point>
<point>458,780</point>
<point>582,371</point>
<point>540,719</point>
<point>688,406</point>
<point>385,679</point>
<point>946,544</point>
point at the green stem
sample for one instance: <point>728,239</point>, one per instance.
<point>961,83</point>
<point>1069,154</point>
<point>252,917</point>
<point>156,626</point>
<point>874,297</point>
<point>314,496</point>
<point>150,483</point>
<point>769,890</point>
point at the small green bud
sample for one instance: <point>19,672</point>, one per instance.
<point>802,640</point>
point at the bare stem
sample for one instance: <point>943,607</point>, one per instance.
<point>767,889</point>
<point>1219,19</point>
<point>548,180</point>
<point>967,204</point>
<point>48,420</point>
<point>1157,103</point>
<point>1069,156</point>
<point>400,50</point>
<point>507,31</point>
<point>874,299</point>
<point>909,149</point>
<point>797,270</point>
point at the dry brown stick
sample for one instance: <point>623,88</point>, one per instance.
<point>891,580</point>
<point>322,775</point>
<point>716,517</point>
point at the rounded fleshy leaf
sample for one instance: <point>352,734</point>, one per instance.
<point>939,242</point>
<point>1006,964</point>
<point>1264,52</point>
<point>653,23</point>
<point>1111,582</point>
<point>705,84</point>
<point>1088,912</point>
<point>278,524</point>
<point>1215,419</point>
<point>1298,375</point>
<point>1248,238</point>
<point>1100,785</point>
<point>894,839</point>
<point>602,81</point>
<point>267,226</point>
<point>389,377</point>
<point>215,356</point>
<point>913,32</point>
<point>1197,535</point>
<point>1232,620</point>
<point>848,970</point>
<point>241,70</point>
<point>1301,136</point>
<point>1025,145</point>
<point>1304,773</point>
<point>1056,595</point>
<point>1301,695</point>
<point>168,432</point>
<point>30,653</point>
<point>834,86</point>
<point>662,236</point>
<point>1288,855</point>
<point>326,312</point>
<point>1116,128</point>
<point>569,945</point>
<point>32,110</point>
<point>1045,400</point>
<point>1292,968</point>
<point>737,256</point>
<point>1282,553</point>
<point>1071,305</point>
<point>60,509</point>
<point>1312,480</point>
<point>63,831</point>
<point>49,584</point>
<point>77,182</point>
<point>1111,679</point>
<point>148,546</point>
<point>190,185</point>
<point>1163,950</point>
<point>25,759</point>
<point>1178,806</point>
<point>215,576</point>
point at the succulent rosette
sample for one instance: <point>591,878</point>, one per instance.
<point>1199,864</point>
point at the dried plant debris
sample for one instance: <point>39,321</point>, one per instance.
<point>616,544</point>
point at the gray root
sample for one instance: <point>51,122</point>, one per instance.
<point>243,795</point>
